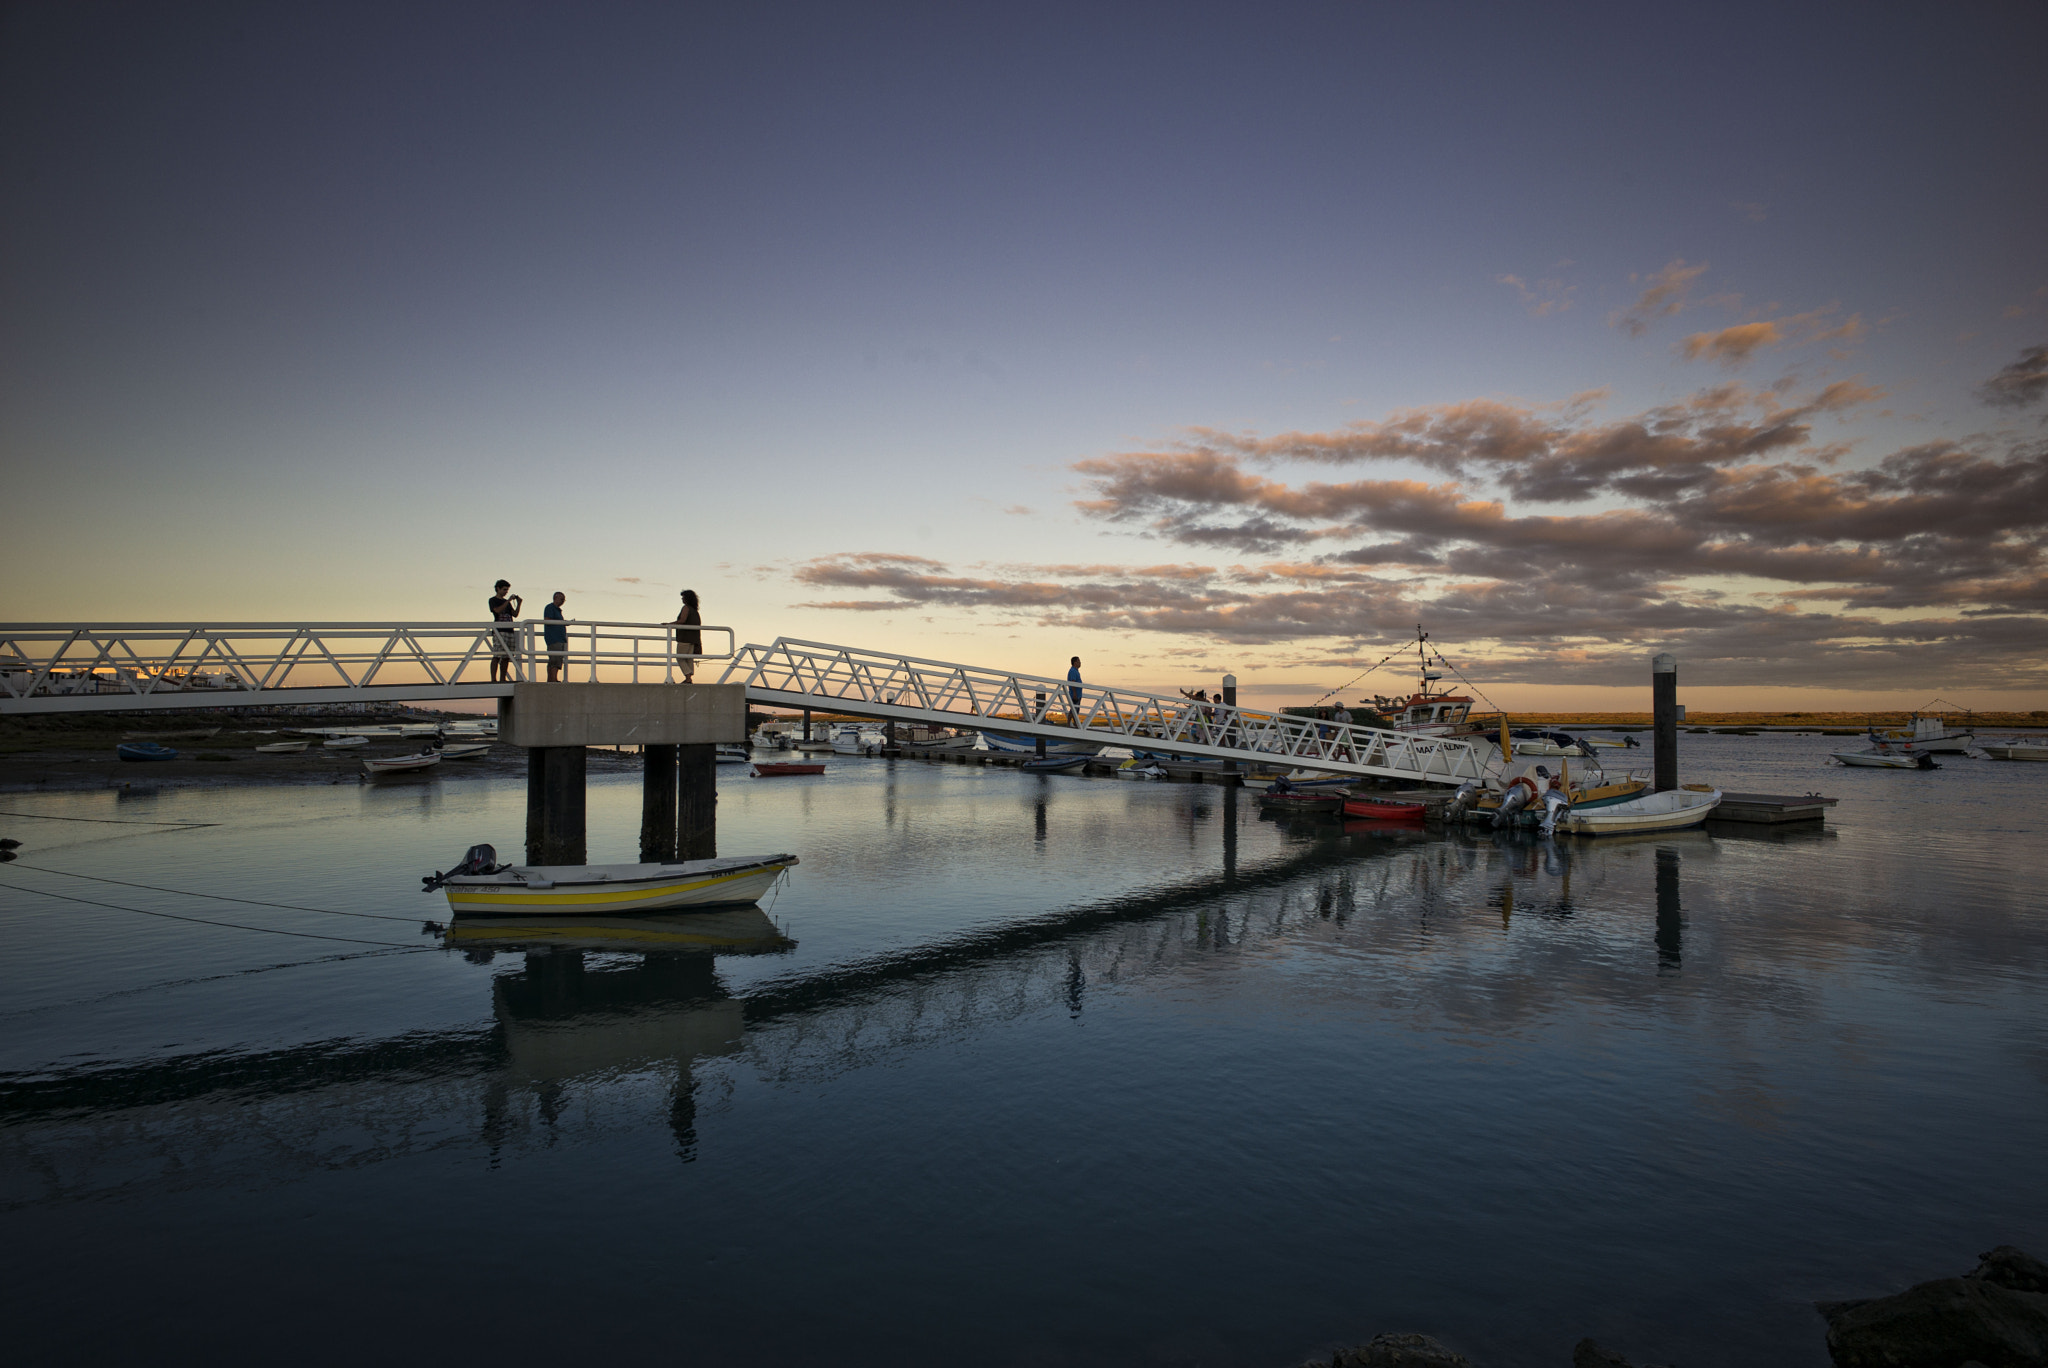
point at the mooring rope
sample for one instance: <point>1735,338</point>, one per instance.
<point>222,897</point>
<point>206,921</point>
<point>108,821</point>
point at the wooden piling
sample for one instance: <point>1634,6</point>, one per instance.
<point>1664,721</point>
<point>536,800</point>
<point>697,803</point>
<point>562,839</point>
<point>658,797</point>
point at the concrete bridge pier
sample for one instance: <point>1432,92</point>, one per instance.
<point>679,727</point>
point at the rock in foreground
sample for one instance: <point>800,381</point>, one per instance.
<point>1995,1315</point>
<point>1398,1351</point>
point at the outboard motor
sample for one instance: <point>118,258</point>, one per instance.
<point>479,859</point>
<point>1556,803</point>
<point>1513,801</point>
<point>1462,800</point>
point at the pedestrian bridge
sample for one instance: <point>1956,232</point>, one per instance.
<point>132,667</point>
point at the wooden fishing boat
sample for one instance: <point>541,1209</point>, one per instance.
<point>765,769</point>
<point>402,764</point>
<point>1671,810</point>
<point>1887,759</point>
<point>144,750</point>
<point>1385,809</point>
<point>345,742</point>
<point>481,885</point>
<point>465,750</point>
<point>283,747</point>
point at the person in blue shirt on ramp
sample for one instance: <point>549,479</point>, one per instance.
<point>1074,690</point>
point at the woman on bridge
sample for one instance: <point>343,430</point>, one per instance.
<point>689,645</point>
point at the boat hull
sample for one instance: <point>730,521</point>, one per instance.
<point>769,769</point>
<point>1012,744</point>
<point>2015,751</point>
<point>1671,810</point>
<point>607,890</point>
<point>1884,760</point>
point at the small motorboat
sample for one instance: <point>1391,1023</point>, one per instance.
<point>283,747</point>
<point>1609,742</point>
<point>1887,759</point>
<point>2016,749</point>
<point>144,750</point>
<point>733,755</point>
<point>1140,769</point>
<point>402,764</point>
<point>1384,809</point>
<point>480,884</point>
<point>465,750</point>
<point>767,769</point>
<point>345,742</point>
<point>1054,764</point>
<point>1300,781</point>
<point>1671,810</point>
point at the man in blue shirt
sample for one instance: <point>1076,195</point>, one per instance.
<point>1074,687</point>
<point>557,638</point>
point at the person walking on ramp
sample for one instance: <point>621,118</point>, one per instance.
<point>1074,692</point>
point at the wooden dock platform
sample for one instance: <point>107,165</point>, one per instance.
<point>1772,807</point>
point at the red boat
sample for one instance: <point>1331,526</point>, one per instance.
<point>1385,809</point>
<point>770,770</point>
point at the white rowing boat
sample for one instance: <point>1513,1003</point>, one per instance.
<point>345,742</point>
<point>1881,759</point>
<point>1671,810</point>
<point>600,890</point>
<point>465,750</point>
<point>403,764</point>
<point>283,748</point>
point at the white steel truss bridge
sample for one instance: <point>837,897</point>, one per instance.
<point>130,667</point>
<point>843,679</point>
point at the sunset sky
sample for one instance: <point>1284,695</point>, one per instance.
<point>1186,338</point>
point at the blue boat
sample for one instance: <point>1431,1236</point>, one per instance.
<point>144,750</point>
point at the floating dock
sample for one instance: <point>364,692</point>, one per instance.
<point>1772,807</point>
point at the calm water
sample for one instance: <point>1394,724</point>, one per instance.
<point>1055,1071</point>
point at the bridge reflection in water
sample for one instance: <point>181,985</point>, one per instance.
<point>634,1002</point>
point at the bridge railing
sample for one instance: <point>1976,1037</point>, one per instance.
<point>150,659</point>
<point>794,673</point>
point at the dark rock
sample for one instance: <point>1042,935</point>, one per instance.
<point>2013,1268</point>
<point>1941,1324</point>
<point>1588,1354</point>
<point>1399,1351</point>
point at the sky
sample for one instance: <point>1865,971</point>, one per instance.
<point>1185,338</point>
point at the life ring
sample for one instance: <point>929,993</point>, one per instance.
<point>1534,792</point>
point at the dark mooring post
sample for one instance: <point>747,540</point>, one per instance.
<point>697,803</point>
<point>658,805</point>
<point>1664,720</point>
<point>536,800</point>
<point>807,724</point>
<point>1230,691</point>
<point>562,810</point>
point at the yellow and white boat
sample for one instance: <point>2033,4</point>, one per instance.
<point>605,890</point>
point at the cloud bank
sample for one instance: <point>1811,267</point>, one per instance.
<point>1558,545</point>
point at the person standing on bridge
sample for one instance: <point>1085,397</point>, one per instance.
<point>558,639</point>
<point>504,608</point>
<point>1074,691</point>
<point>689,645</point>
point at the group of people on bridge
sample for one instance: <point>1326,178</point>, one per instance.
<point>504,606</point>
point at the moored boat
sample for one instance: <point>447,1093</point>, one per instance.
<point>732,755</point>
<point>402,764</point>
<point>1010,743</point>
<point>479,884</point>
<point>1927,734</point>
<point>2018,748</point>
<point>345,742</point>
<point>770,769</point>
<point>1053,764</point>
<point>1901,758</point>
<point>283,747</point>
<point>1384,809</point>
<point>1671,810</point>
<point>465,750</point>
<point>1294,800</point>
<point>144,750</point>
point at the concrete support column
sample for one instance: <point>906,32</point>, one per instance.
<point>697,803</point>
<point>1230,691</point>
<point>658,805</point>
<point>562,839</point>
<point>1664,721</point>
<point>807,724</point>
